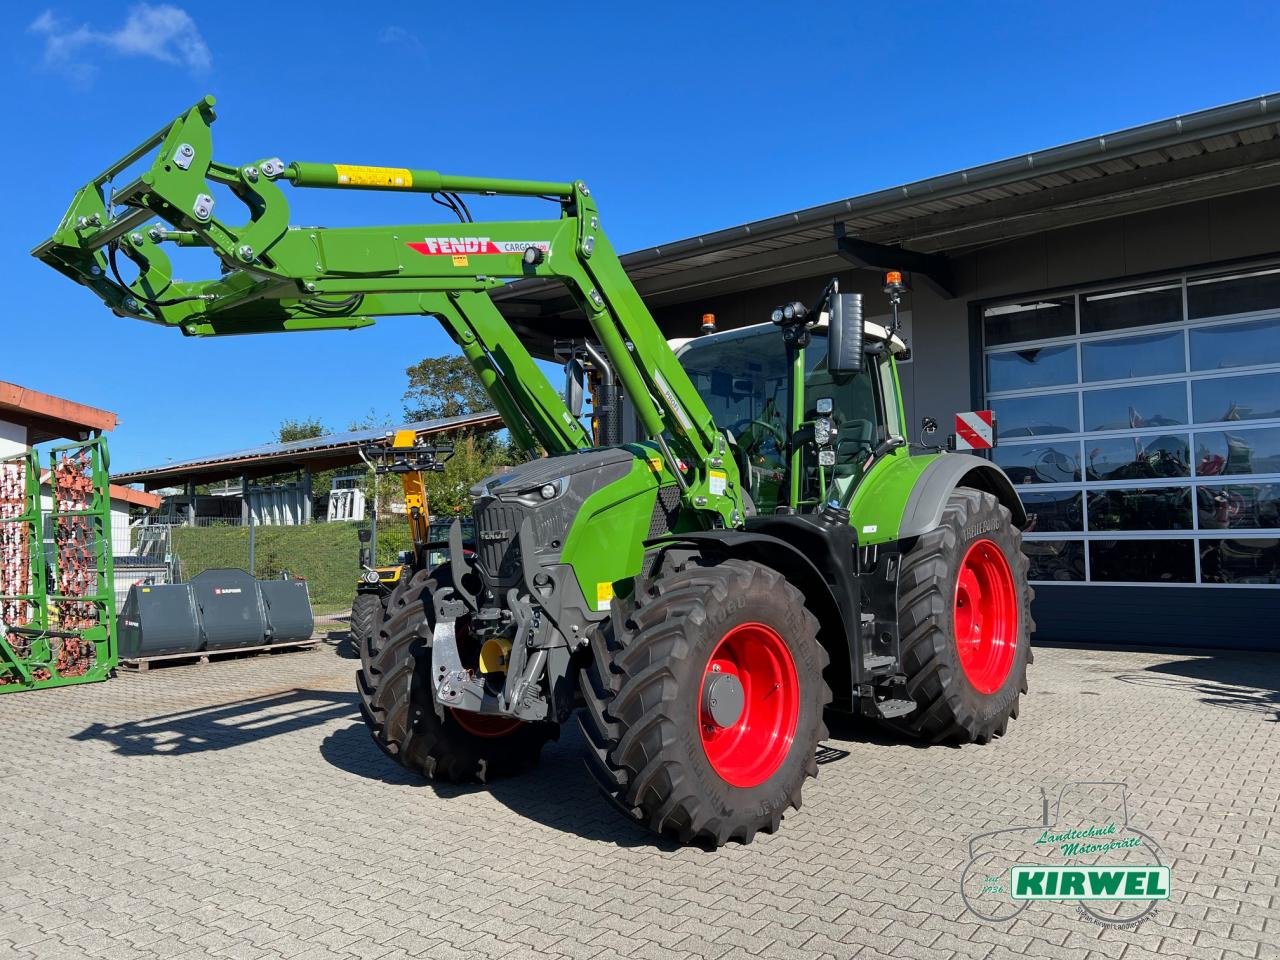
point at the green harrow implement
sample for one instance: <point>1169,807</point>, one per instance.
<point>57,592</point>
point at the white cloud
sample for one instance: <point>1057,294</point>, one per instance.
<point>161,32</point>
<point>399,36</point>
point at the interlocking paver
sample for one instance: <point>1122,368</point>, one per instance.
<point>251,817</point>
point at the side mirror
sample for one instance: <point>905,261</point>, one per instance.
<point>364,535</point>
<point>574,376</point>
<point>844,334</point>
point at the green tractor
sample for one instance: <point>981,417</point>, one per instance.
<point>769,550</point>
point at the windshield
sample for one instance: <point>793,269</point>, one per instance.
<point>745,382</point>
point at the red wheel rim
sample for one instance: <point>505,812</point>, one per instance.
<point>986,616</point>
<point>749,751</point>
<point>483,725</point>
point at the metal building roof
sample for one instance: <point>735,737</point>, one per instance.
<point>317,453</point>
<point>1208,153</point>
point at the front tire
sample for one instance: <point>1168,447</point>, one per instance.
<point>403,717</point>
<point>704,700</point>
<point>964,613</point>
<point>366,617</point>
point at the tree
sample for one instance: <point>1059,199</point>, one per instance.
<point>447,386</point>
<point>448,492</point>
<point>443,387</point>
<point>308,429</point>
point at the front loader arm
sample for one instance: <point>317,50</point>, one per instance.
<point>277,277</point>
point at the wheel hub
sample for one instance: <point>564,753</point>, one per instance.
<point>723,699</point>
<point>749,705</point>
<point>985,616</point>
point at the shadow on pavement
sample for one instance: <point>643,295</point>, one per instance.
<point>342,643</point>
<point>224,725</point>
<point>1235,681</point>
<point>559,793</point>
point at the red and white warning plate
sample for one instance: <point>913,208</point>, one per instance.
<point>975,430</point>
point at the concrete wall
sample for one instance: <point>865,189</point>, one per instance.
<point>13,439</point>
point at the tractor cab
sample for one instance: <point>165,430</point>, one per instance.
<point>745,378</point>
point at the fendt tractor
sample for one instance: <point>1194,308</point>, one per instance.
<point>768,549</point>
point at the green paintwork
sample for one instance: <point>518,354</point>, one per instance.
<point>277,277</point>
<point>881,498</point>
<point>796,420</point>
<point>605,545</point>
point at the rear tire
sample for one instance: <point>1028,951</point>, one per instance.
<point>366,617</point>
<point>403,717</point>
<point>652,744</point>
<point>966,577</point>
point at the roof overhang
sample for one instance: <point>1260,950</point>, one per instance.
<point>1224,150</point>
<point>47,417</point>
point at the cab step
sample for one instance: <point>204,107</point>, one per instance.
<point>888,709</point>
<point>879,666</point>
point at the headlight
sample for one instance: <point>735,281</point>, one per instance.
<point>827,458</point>
<point>822,431</point>
<point>370,576</point>
<point>548,491</point>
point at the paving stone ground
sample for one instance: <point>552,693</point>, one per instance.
<point>239,810</point>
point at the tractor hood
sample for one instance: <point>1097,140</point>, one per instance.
<point>549,493</point>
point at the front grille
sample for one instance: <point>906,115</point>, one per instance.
<point>666,508</point>
<point>497,524</point>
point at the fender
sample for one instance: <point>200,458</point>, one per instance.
<point>928,497</point>
<point>836,634</point>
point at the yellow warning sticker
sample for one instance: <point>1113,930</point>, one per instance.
<point>716,482</point>
<point>460,260</point>
<point>655,464</point>
<point>604,594</point>
<point>357,176</point>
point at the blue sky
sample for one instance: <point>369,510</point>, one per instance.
<point>683,117</point>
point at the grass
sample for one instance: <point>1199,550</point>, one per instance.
<point>326,555</point>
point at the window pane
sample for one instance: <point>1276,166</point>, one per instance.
<point>1227,453</point>
<point>1242,506</point>
<point>1036,416</point>
<point>1240,561</point>
<point>1118,309</point>
<point>1219,296</point>
<point>1058,512</point>
<point>1123,357</point>
<point>1123,408</point>
<point>1040,462</point>
<point>1236,345</point>
<point>1137,458</point>
<point>1061,560</point>
<point>1038,320</point>
<point>1142,561</point>
<point>1148,508</point>
<point>1036,367</point>
<point>1237,398</point>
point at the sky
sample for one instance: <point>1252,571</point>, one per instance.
<point>683,118</point>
